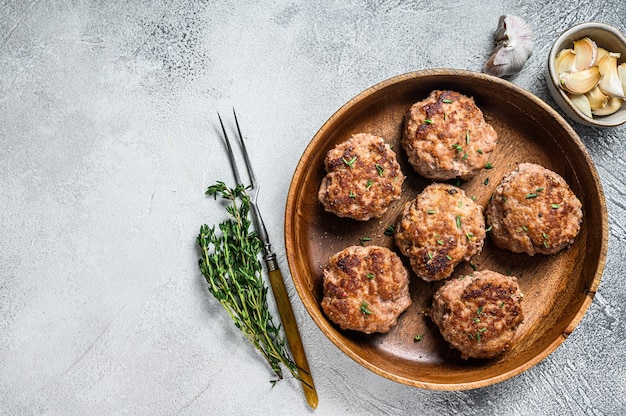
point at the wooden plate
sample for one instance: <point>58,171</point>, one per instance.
<point>558,289</point>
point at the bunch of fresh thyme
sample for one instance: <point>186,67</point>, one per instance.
<point>230,263</point>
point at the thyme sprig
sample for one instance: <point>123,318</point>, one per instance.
<point>230,264</point>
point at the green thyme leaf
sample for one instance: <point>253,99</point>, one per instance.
<point>350,162</point>
<point>365,308</point>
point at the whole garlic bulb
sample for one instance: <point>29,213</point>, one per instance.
<point>514,45</point>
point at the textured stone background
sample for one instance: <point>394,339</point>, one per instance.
<point>108,135</point>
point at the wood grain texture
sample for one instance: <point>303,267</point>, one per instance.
<point>558,289</point>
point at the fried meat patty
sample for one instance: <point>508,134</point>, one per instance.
<point>363,178</point>
<point>533,210</point>
<point>479,314</point>
<point>446,136</point>
<point>365,289</point>
<point>439,229</point>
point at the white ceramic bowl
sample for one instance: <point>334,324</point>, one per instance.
<point>605,36</point>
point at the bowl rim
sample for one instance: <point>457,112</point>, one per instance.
<point>558,45</point>
<point>311,304</point>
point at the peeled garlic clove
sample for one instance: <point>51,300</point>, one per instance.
<point>580,82</point>
<point>613,105</point>
<point>597,99</point>
<point>601,54</point>
<point>610,83</point>
<point>586,52</point>
<point>582,103</point>
<point>565,61</point>
<point>621,70</point>
<point>514,46</point>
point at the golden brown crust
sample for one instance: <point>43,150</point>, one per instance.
<point>365,289</point>
<point>439,229</point>
<point>363,178</point>
<point>479,314</point>
<point>446,136</point>
<point>533,210</point>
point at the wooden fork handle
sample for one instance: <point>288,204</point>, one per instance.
<point>291,331</point>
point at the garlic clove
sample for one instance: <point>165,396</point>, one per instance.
<point>610,83</point>
<point>621,70</point>
<point>514,46</point>
<point>586,52</point>
<point>580,82</point>
<point>565,61</point>
<point>613,105</point>
<point>597,99</point>
<point>582,103</point>
<point>601,53</point>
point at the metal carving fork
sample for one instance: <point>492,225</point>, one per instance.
<point>276,278</point>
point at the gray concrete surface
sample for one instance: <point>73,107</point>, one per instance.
<point>107,132</point>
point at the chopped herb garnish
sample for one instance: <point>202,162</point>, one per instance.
<point>352,194</point>
<point>479,151</point>
<point>524,228</point>
<point>539,189</point>
<point>501,305</point>
<point>458,147</point>
<point>476,320</point>
<point>365,308</point>
<point>555,206</point>
<point>478,337</point>
<point>447,100</point>
<point>460,204</point>
<point>440,242</point>
<point>458,221</point>
<point>430,255</point>
<point>418,338</point>
<point>480,310</point>
<point>488,228</point>
<point>349,162</point>
<point>531,195</point>
<point>390,230</point>
<point>473,266</point>
<point>469,236</point>
<point>546,236</point>
<point>449,257</point>
<point>467,137</point>
<point>369,184</point>
<point>473,197</point>
<point>486,182</point>
<point>431,211</point>
<point>445,116</point>
<point>380,169</point>
<point>364,240</point>
<point>428,121</point>
<point>464,156</point>
<point>546,244</point>
<point>488,165</point>
<point>370,276</point>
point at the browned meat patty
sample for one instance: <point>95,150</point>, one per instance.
<point>479,314</point>
<point>363,178</point>
<point>365,289</point>
<point>446,136</point>
<point>533,210</point>
<point>439,229</point>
